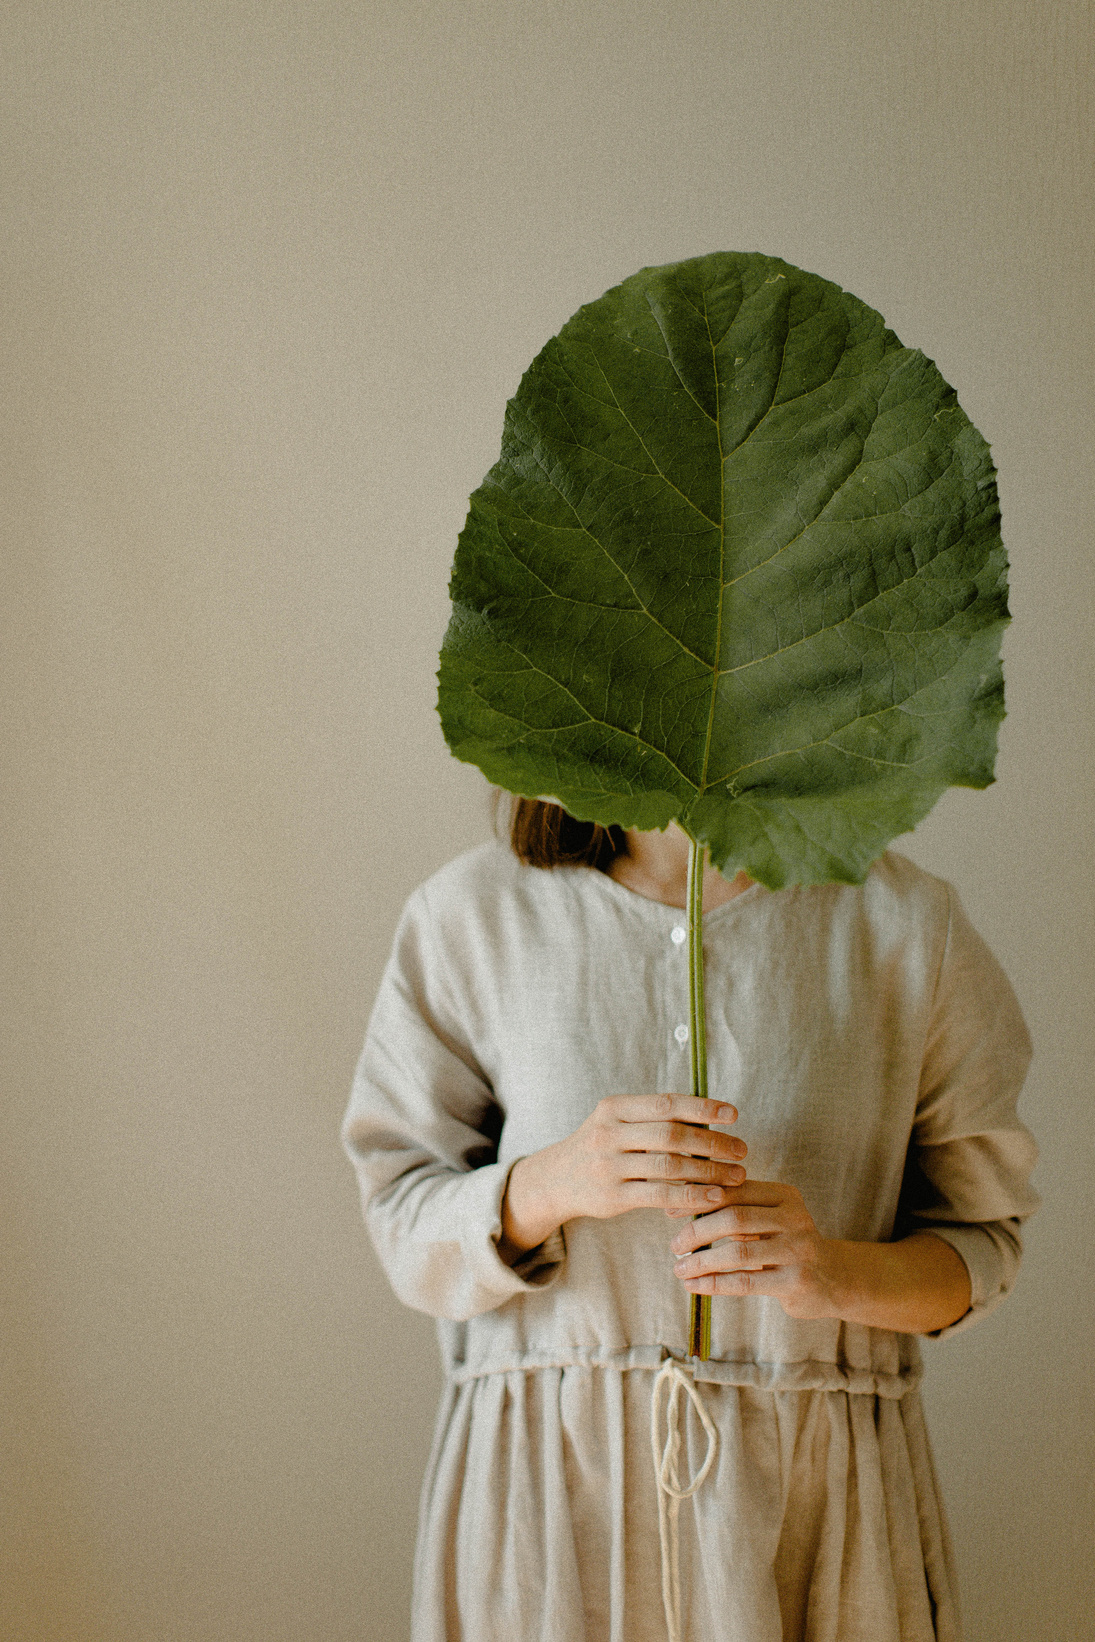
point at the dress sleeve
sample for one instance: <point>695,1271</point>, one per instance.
<point>422,1130</point>
<point>968,1173</point>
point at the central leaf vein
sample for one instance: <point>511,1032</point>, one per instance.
<point>722,556</point>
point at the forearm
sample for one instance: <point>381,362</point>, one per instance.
<point>914,1286</point>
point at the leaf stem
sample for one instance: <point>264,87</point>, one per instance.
<point>699,1310</point>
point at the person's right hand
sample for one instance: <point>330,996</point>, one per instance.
<point>632,1152</point>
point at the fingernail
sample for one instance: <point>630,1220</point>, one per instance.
<point>738,1174</point>
<point>713,1194</point>
<point>727,1114</point>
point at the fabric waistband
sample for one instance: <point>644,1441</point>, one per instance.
<point>807,1375</point>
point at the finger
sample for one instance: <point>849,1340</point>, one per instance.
<point>764,1194</point>
<point>736,1221</point>
<point>686,1139</point>
<point>670,1196</point>
<point>734,1255</point>
<point>683,1108</point>
<point>739,1284</point>
<point>670,1166</point>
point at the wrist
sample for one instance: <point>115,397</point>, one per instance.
<point>838,1278</point>
<point>531,1209</point>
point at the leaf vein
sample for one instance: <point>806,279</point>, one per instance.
<point>641,608</point>
<point>832,627</point>
<point>901,706</point>
<point>673,364</point>
<point>591,718</point>
<point>664,477</point>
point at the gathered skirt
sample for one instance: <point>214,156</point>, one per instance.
<point>819,1520</point>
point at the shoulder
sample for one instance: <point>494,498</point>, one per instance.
<point>487,926</point>
<point>895,922</point>
<point>469,877</point>
<point>487,898</point>
<point>896,901</point>
<point>477,884</point>
<point>899,893</point>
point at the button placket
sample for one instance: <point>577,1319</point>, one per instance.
<point>679,935</point>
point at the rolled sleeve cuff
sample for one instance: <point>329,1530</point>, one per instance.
<point>481,1212</point>
<point>990,1253</point>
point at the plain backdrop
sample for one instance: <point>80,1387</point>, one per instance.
<point>270,273</point>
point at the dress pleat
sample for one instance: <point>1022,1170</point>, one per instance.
<point>820,1522</point>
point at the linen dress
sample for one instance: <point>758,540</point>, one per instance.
<point>875,1050</point>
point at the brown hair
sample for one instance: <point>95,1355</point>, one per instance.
<point>544,835</point>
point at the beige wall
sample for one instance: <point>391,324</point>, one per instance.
<point>273,271</point>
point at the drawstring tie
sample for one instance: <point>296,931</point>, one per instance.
<point>667,1473</point>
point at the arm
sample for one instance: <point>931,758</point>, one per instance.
<point>457,1232</point>
<point>966,1187</point>
<point>917,1285</point>
<point>767,1243</point>
<point>967,1177</point>
<point>421,1130</point>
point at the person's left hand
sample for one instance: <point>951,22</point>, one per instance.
<point>764,1243</point>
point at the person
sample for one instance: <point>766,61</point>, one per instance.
<point>535,1175</point>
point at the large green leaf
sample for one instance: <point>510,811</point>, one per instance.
<point>739,566</point>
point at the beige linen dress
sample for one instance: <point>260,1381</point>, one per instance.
<point>875,1051</point>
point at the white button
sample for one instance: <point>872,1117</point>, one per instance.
<point>681,1033</point>
<point>678,934</point>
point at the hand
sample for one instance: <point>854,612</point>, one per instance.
<point>763,1242</point>
<point>632,1152</point>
